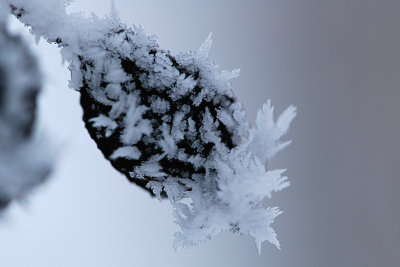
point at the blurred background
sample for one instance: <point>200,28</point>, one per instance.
<point>337,61</point>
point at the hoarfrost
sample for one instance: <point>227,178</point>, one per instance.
<point>128,152</point>
<point>171,124</point>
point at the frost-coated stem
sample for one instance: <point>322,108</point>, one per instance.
<point>170,123</point>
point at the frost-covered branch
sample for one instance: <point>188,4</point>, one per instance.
<point>24,159</point>
<point>170,123</point>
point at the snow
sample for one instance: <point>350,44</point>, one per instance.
<point>171,121</point>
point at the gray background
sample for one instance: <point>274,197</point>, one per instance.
<point>337,61</point>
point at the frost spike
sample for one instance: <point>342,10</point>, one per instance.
<point>113,11</point>
<point>205,47</point>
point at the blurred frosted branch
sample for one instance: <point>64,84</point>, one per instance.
<point>24,158</point>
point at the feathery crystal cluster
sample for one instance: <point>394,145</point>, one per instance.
<point>158,117</point>
<point>170,123</point>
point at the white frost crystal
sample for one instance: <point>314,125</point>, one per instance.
<point>171,124</point>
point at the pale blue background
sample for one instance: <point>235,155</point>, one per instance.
<point>337,61</point>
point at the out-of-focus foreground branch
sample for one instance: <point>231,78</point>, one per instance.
<point>24,161</point>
